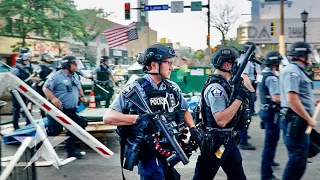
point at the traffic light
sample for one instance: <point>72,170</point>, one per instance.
<point>127,15</point>
<point>272,31</point>
<point>208,39</point>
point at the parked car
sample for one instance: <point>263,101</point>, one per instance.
<point>87,71</point>
<point>4,67</point>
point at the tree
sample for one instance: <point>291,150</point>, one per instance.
<point>224,19</point>
<point>25,17</point>
<point>199,54</point>
<point>93,24</point>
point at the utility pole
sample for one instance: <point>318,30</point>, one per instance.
<point>282,48</point>
<point>208,36</point>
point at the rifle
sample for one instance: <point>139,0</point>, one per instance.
<point>236,80</point>
<point>133,95</point>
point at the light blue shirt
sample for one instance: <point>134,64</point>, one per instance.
<point>250,68</point>
<point>121,102</point>
<point>272,82</point>
<point>216,97</point>
<point>293,79</point>
<point>65,87</point>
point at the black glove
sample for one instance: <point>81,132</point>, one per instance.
<point>196,136</point>
<point>241,93</point>
<point>144,121</point>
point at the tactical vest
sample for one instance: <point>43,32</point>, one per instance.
<point>45,71</point>
<point>265,97</point>
<point>166,101</point>
<point>24,73</point>
<point>208,119</point>
<point>104,74</point>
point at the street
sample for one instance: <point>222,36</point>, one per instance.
<point>94,167</point>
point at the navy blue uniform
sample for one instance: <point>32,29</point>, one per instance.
<point>215,98</point>
<point>23,73</point>
<point>151,166</point>
<point>269,114</point>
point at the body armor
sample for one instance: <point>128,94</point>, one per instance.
<point>264,92</point>
<point>208,119</point>
<point>242,118</point>
<point>104,74</point>
<point>24,73</point>
<point>45,71</point>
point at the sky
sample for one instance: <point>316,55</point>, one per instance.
<point>188,28</point>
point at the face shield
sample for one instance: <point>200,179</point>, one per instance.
<point>258,53</point>
<point>79,64</point>
<point>314,56</point>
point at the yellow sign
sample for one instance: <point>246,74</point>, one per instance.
<point>163,40</point>
<point>178,43</point>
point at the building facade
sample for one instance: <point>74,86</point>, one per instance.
<point>264,28</point>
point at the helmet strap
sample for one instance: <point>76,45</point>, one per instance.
<point>297,59</point>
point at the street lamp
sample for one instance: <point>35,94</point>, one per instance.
<point>304,19</point>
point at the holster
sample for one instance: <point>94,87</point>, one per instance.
<point>131,153</point>
<point>213,140</point>
<point>295,122</point>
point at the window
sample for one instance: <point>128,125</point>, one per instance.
<point>39,31</point>
<point>8,27</point>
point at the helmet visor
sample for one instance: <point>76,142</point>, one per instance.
<point>315,56</point>
<point>79,64</point>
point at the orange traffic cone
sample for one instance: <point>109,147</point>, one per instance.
<point>92,103</point>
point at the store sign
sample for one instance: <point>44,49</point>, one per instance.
<point>254,33</point>
<point>260,32</point>
<point>295,32</point>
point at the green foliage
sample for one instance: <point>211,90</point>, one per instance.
<point>233,42</point>
<point>93,24</point>
<point>46,17</point>
<point>199,54</point>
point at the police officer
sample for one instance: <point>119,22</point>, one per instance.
<point>161,95</point>
<point>63,90</point>
<point>23,71</point>
<point>269,112</point>
<point>43,73</point>
<point>219,148</point>
<point>248,76</point>
<point>105,79</point>
<point>297,103</point>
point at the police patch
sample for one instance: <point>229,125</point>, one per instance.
<point>294,75</point>
<point>127,89</point>
<point>217,92</point>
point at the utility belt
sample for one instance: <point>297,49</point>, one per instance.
<point>295,123</point>
<point>215,138</point>
<point>273,107</point>
<point>69,111</point>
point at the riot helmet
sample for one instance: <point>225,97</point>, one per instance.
<point>104,59</point>
<point>300,49</point>
<point>155,53</point>
<point>272,58</point>
<point>225,54</point>
<point>46,57</point>
<point>24,55</point>
<point>257,50</point>
<point>68,60</point>
<point>247,45</point>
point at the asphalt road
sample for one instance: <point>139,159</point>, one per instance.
<point>94,167</point>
